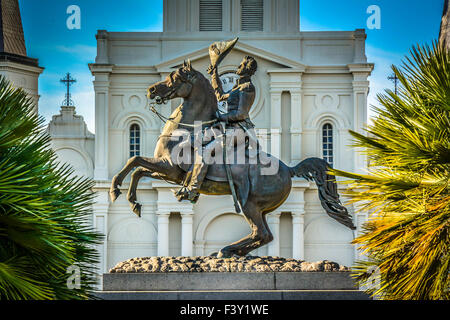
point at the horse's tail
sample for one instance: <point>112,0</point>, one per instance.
<point>316,169</point>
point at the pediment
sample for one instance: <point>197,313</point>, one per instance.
<point>68,123</point>
<point>245,49</point>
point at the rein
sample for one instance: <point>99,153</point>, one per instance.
<point>165,119</point>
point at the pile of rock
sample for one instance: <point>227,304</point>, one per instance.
<point>213,264</point>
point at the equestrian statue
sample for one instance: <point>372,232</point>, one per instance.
<point>199,150</point>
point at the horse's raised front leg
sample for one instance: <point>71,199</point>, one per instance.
<point>151,164</point>
<point>259,236</point>
<point>131,196</point>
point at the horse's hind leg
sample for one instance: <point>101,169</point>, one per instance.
<point>131,196</point>
<point>259,236</point>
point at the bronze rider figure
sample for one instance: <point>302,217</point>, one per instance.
<point>240,100</point>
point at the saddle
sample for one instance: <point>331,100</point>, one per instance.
<point>237,175</point>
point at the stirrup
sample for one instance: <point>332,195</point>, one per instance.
<point>185,194</point>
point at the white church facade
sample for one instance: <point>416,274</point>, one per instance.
<point>311,88</point>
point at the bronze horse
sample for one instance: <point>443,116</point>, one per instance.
<point>264,193</point>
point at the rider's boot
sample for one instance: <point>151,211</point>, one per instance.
<point>182,193</point>
<point>191,192</point>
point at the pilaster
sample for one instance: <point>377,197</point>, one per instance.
<point>100,224</point>
<point>298,238</point>
<point>275,122</point>
<point>163,233</point>
<point>295,204</point>
<point>290,80</point>
<point>166,203</point>
<point>360,86</point>
<point>187,219</point>
<point>296,125</point>
<point>101,88</point>
<point>273,222</point>
<point>101,70</point>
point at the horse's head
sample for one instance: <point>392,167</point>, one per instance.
<point>178,84</point>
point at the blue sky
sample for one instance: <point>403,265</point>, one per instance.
<point>59,50</point>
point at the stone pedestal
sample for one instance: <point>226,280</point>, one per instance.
<point>132,280</point>
<point>230,286</point>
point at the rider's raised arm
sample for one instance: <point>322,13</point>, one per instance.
<point>246,98</point>
<point>217,86</point>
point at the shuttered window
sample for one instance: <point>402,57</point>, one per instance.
<point>210,15</point>
<point>252,15</point>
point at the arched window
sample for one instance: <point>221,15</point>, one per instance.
<point>327,143</point>
<point>135,140</point>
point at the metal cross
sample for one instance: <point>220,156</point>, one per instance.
<point>394,79</point>
<point>68,81</point>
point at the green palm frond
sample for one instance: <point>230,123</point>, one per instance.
<point>44,210</point>
<point>407,236</point>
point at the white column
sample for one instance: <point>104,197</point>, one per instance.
<point>101,88</point>
<point>186,233</point>
<point>296,126</point>
<point>273,221</point>
<point>360,116</point>
<point>101,70</point>
<point>275,122</point>
<point>360,91</point>
<point>275,107</point>
<point>100,224</point>
<point>298,239</point>
<point>101,136</point>
<point>163,233</point>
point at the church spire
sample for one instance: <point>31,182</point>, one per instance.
<point>12,39</point>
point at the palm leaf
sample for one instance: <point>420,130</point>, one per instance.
<point>44,210</point>
<point>406,190</point>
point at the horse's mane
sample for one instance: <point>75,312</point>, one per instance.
<point>210,94</point>
<point>211,99</point>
